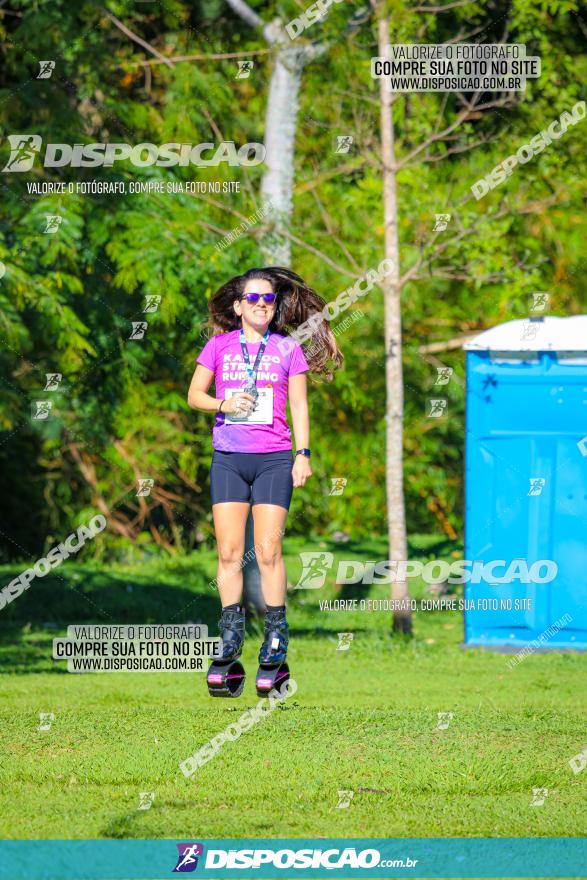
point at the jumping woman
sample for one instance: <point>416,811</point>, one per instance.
<point>256,367</point>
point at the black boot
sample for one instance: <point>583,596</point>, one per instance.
<point>226,676</point>
<point>274,648</point>
<point>232,632</point>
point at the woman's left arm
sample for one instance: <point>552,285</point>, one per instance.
<point>298,405</point>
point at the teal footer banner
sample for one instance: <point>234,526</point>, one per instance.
<point>318,857</point>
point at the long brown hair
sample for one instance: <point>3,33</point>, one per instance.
<point>295,303</point>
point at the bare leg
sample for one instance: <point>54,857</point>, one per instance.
<point>269,520</point>
<point>230,518</point>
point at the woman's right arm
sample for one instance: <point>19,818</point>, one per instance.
<point>198,397</point>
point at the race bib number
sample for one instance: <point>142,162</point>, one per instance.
<point>262,413</point>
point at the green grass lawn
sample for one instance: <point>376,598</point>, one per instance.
<point>363,720</point>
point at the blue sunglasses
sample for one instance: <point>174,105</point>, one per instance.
<point>253,298</point>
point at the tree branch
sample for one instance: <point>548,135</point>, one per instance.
<point>88,472</point>
<point>461,148</point>
<point>135,37</point>
<point>244,11</point>
<point>326,259</point>
<point>330,229</point>
<point>347,168</point>
<point>218,56</point>
<point>436,9</point>
<point>447,345</point>
<point>412,273</point>
<point>463,115</point>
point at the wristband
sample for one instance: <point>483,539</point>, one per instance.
<point>305,452</point>
<point>219,410</point>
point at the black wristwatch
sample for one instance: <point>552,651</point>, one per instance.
<point>305,452</point>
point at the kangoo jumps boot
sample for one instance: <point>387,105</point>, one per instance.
<point>273,670</point>
<point>226,676</point>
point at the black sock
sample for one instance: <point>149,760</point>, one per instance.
<point>276,608</point>
<point>234,607</point>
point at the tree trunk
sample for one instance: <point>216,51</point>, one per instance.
<point>280,133</point>
<point>276,186</point>
<point>402,620</point>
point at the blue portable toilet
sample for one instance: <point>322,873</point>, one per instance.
<point>526,484</point>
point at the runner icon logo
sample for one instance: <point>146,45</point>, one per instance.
<point>188,854</point>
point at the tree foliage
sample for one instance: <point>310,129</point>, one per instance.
<point>68,300</point>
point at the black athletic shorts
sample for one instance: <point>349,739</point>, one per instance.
<point>253,477</point>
